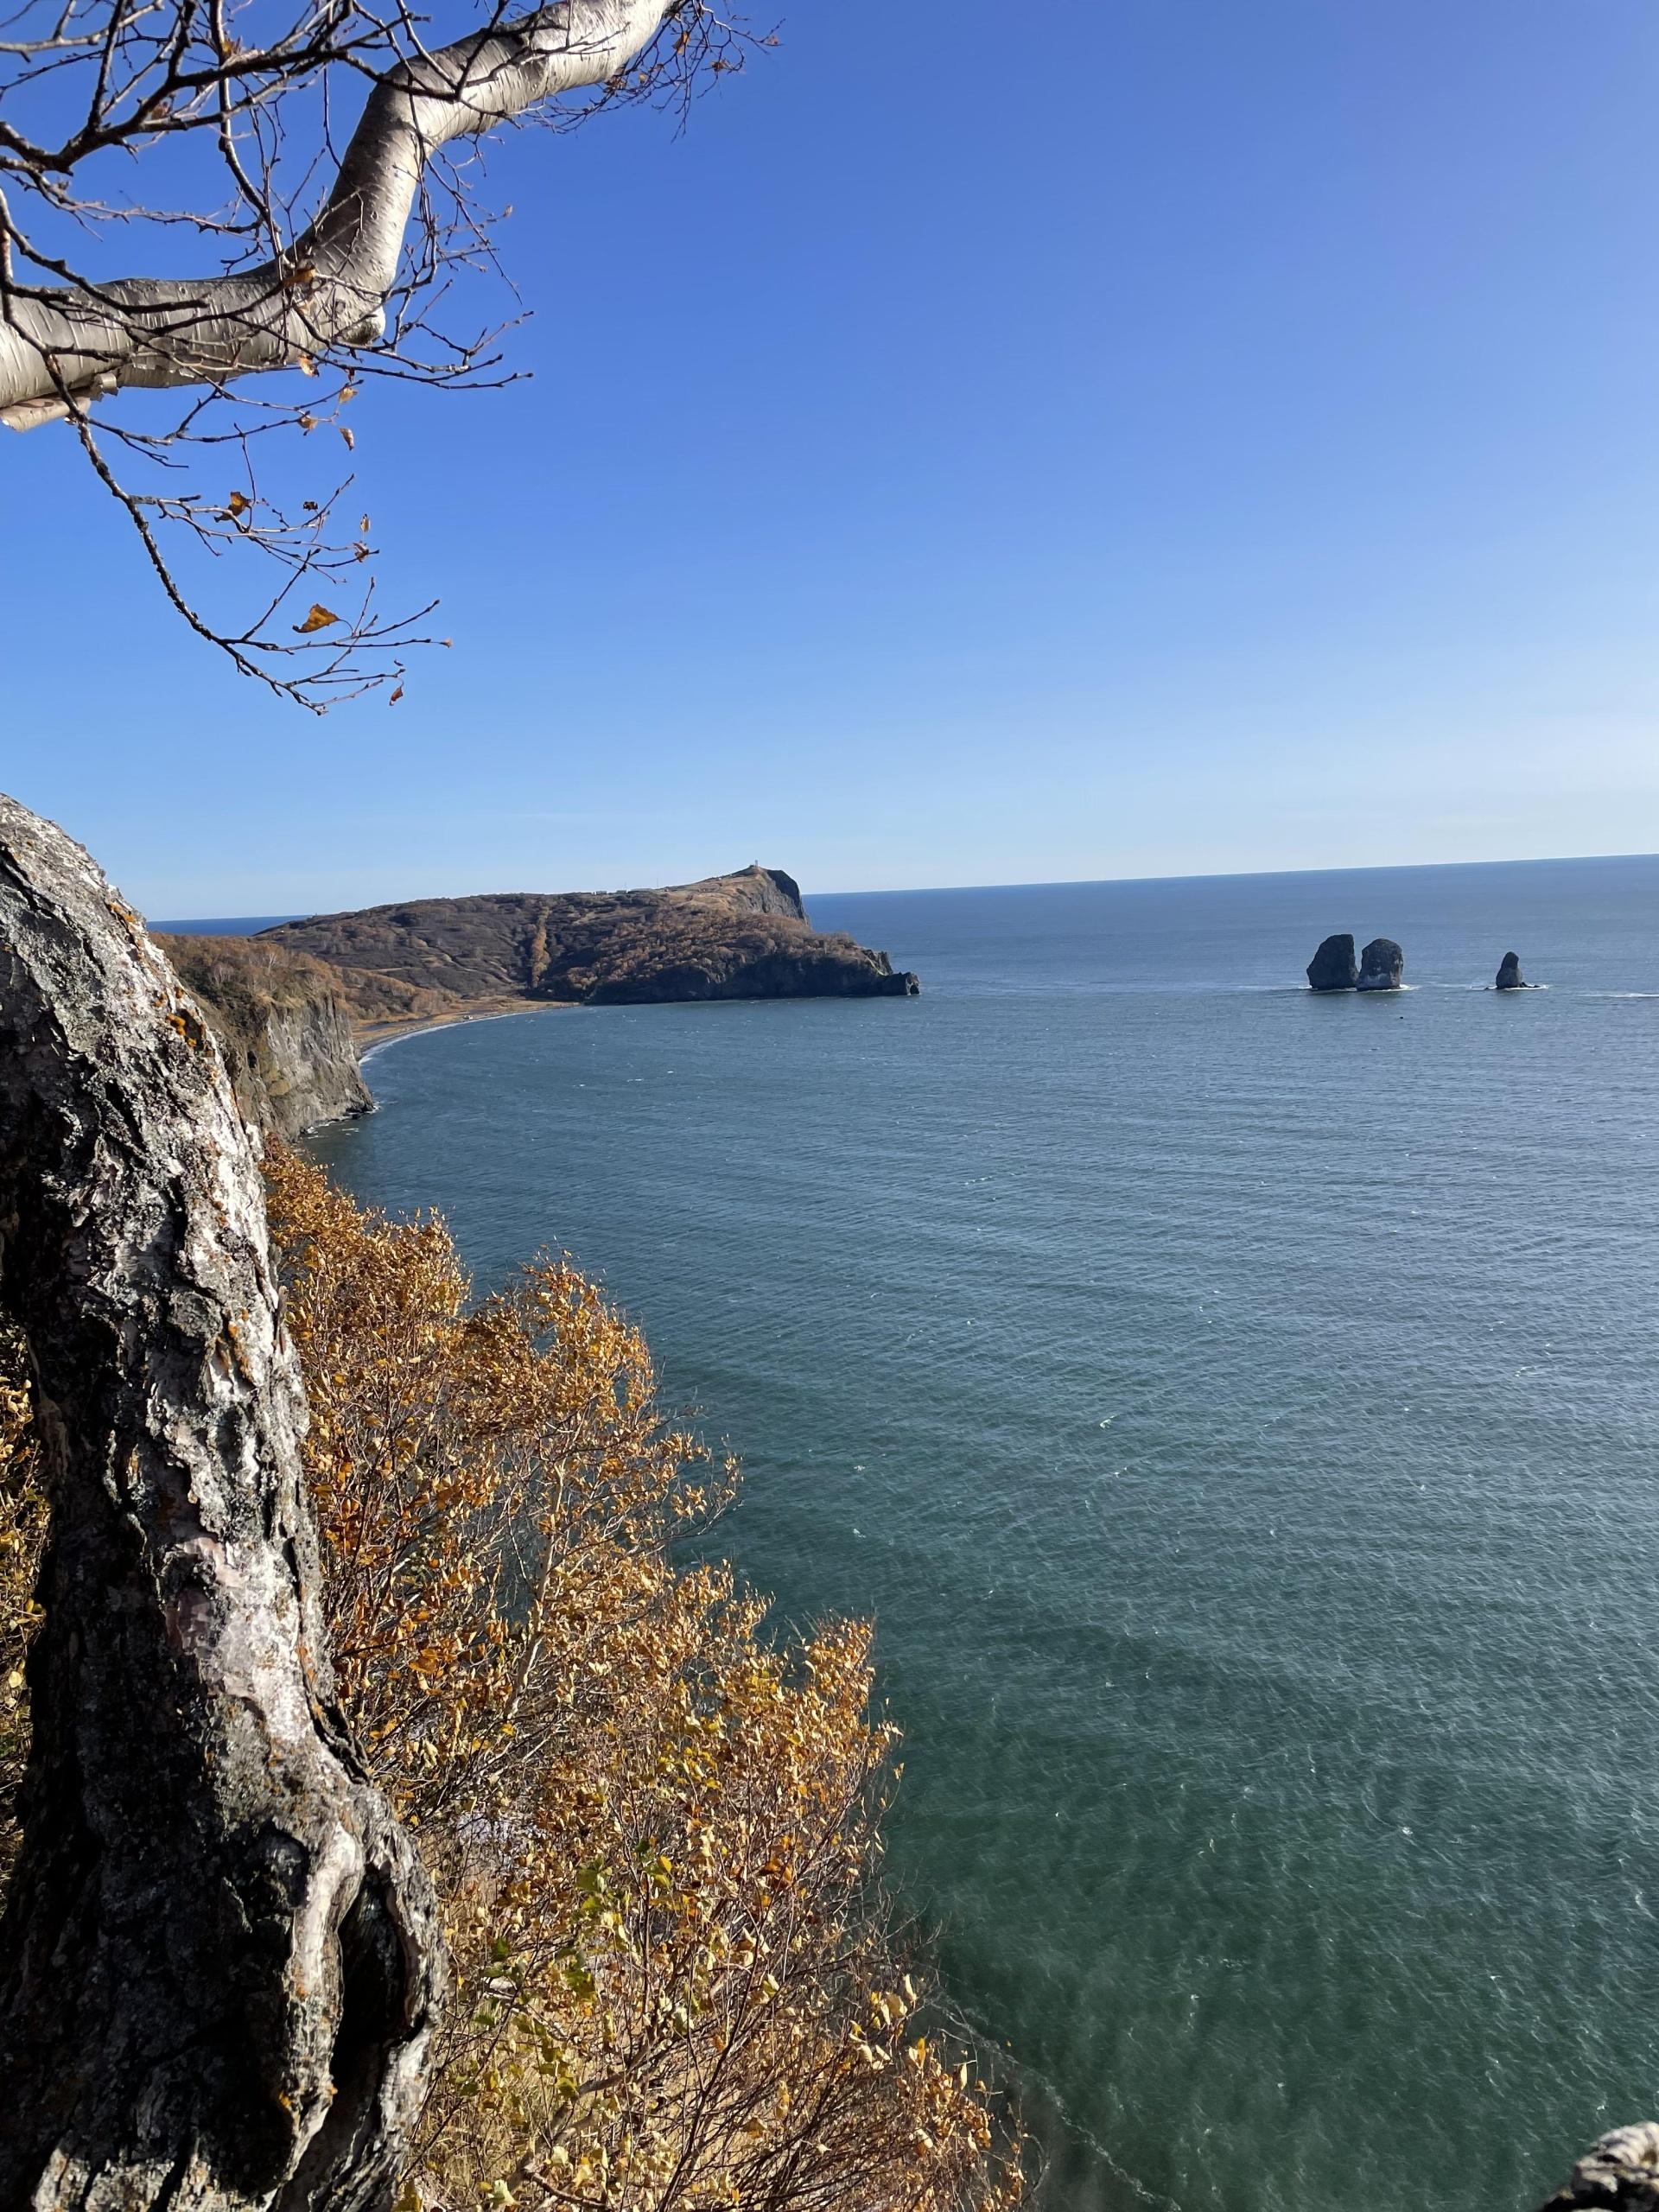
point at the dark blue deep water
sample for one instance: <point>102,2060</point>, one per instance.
<point>1238,1409</point>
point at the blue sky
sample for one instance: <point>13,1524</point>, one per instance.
<point>986,446</point>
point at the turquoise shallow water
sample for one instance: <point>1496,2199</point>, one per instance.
<point>1238,1409</point>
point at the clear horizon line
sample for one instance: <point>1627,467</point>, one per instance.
<point>1229,875</point>
<point>946,890</point>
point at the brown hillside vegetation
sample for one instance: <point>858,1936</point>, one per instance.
<point>655,1829</point>
<point>740,935</point>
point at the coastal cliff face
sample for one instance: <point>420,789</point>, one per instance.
<point>744,936</point>
<point>283,1024</point>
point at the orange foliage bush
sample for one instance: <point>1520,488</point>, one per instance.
<point>654,1830</point>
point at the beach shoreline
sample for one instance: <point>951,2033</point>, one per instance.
<point>370,1036</point>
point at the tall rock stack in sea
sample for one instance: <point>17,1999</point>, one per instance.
<point>1332,968</point>
<point>1381,965</point>
<point>1509,977</point>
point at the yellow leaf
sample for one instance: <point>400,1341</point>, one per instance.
<point>318,618</point>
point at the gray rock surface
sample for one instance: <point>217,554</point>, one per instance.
<point>1381,965</point>
<point>1332,968</point>
<point>1620,2172</point>
<point>1509,977</point>
<point>283,1022</point>
<point>220,1959</point>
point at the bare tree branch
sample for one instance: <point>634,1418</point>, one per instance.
<point>338,266</point>
<point>331,287</point>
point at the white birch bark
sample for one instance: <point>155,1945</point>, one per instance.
<point>220,1958</point>
<point>331,287</point>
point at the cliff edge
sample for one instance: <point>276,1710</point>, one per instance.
<point>283,1024</point>
<point>744,936</point>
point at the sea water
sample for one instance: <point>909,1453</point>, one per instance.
<point>1237,1409</point>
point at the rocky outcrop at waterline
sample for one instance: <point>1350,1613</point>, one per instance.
<point>1332,968</point>
<point>1619,2173</point>
<point>1509,977</point>
<point>1381,965</point>
<point>744,936</point>
<point>283,1025</point>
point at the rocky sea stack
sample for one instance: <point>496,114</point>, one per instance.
<point>1509,977</point>
<point>1332,968</point>
<point>1381,965</point>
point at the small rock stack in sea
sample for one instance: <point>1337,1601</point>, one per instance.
<point>1509,977</point>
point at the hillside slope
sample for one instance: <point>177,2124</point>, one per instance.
<point>743,936</point>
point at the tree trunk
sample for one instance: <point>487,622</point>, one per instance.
<point>220,1961</point>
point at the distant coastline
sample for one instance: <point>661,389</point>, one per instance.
<point>298,1006</point>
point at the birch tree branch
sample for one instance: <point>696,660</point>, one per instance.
<point>63,346</point>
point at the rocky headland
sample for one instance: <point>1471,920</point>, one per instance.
<point>744,936</point>
<point>293,1008</point>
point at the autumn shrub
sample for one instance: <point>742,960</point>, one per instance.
<point>654,1827</point>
